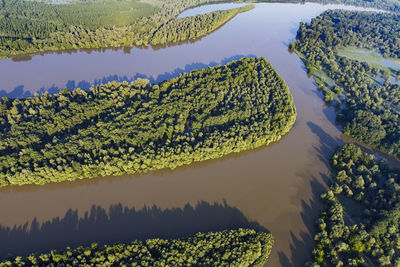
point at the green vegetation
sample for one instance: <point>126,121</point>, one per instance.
<point>360,54</point>
<point>193,27</point>
<point>121,128</point>
<point>372,57</point>
<point>30,27</point>
<point>360,225</point>
<point>369,110</point>
<point>17,16</point>
<point>240,247</point>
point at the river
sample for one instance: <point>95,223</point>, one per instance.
<point>273,188</point>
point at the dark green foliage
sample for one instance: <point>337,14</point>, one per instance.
<point>366,126</point>
<point>242,247</point>
<point>339,28</point>
<point>370,110</point>
<point>123,128</point>
<point>374,188</point>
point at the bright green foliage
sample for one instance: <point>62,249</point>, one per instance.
<point>370,108</point>
<point>372,234</point>
<point>193,27</point>
<point>30,27</point>
<point>121,128</point>
<point>242,247</point>
<point>28,19</point>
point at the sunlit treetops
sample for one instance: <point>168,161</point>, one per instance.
<point>120,128</point>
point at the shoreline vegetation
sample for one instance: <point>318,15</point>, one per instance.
<point>122,128</point>
<point>359,225</point>
<point>242,247</point>
<point>367,100</point>
<point>50,28</point>
<point>191,28</point>
<point>47,27</point>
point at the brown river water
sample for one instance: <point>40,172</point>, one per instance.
<point>273,188</point>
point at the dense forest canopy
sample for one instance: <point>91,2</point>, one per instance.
<point>35,26</point>
<point>360,225</point>
<point>29,26</point>
<point>242,247</point>
<point>120,128</point>
<point>369,108</point>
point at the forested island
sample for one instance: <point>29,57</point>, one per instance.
<point>30,27</point>
<point>369,108</point>
<point>120,128</point>
<point>242,247</point>
<point>360,225</point>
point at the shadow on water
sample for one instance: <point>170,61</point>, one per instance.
<point>301,245</point>
<point>18,92</point>
<point>120,224</point>
<point>328,144</point>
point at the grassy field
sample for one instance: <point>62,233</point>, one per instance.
<point>361,54</point>
<point>391,65</point>
<point>367,55</point>
<point>64,13</point>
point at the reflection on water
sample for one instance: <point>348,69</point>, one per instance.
<point>121,224</point>
<point>276,188</point>
<point>85,85</point>
<point>50,71</point>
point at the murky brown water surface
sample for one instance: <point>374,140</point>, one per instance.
<point>273,188</point>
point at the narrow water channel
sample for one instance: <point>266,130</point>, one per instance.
<point>273,188</point>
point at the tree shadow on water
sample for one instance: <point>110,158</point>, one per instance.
<point>19,92</point>
<point>120,224</point>
<point>328,144</point>
<point>302,244</point>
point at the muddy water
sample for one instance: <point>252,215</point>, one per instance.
<point>274,188</point>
